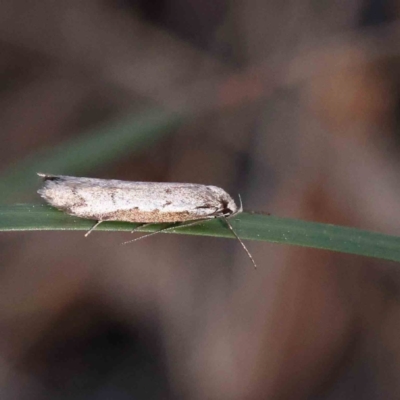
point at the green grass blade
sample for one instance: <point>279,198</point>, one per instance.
<point>248,226</point>
<point>81,154</point>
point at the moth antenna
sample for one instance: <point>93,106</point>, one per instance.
<point>93,228</point>
<point>165,229</point>
<point>241,242</point>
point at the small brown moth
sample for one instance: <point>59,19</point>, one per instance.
<point>139,202</point>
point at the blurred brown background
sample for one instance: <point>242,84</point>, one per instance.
<point>292,104</point>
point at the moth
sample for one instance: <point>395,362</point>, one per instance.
<point>146,203</point>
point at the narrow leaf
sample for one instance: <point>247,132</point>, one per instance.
<point>248,226</point>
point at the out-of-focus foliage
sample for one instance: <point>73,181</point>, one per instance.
<point>91,149</point>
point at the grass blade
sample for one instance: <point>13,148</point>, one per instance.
<point>248,226</point>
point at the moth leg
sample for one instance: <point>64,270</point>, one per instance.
<point>93,228</point>
<point>141,226</point>
<point>198,221</point>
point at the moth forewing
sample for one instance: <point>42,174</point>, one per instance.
<point>139,202</point>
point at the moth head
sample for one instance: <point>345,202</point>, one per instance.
<point>229,207</point>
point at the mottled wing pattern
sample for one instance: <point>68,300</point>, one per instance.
<point>133,201</point>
